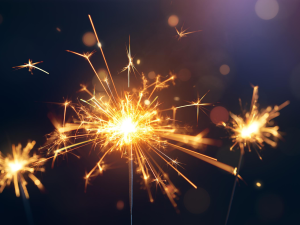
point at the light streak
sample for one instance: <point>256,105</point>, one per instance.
<point>130,66</point>
<point>30,66</point>
<point>182,33</point>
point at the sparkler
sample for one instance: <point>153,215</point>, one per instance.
<point>137,130</point>
<point>30,66</point>
<point>182,33</point>
<point>15,167</point>
<point>253,129</point>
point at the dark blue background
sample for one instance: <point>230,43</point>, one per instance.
<point>259,52</point>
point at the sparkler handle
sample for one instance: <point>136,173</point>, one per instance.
<point>130,167</point>
<point>234,185</point>
<point>26,206</point>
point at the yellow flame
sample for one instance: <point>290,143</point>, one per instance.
<point>250,130</point>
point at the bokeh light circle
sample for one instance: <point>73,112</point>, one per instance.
<point>269,207</point>
<point>120,205</point>
<point>258,184</point>
<point>176,98</point>
<point>266,9</point>
<point>224,69</point>
<point>184,74</point>
<point>89,39</point>
<point>147,102</point>
<point>152,75</point>
<point>173,21</point>
<point>219,114</point>
<point>196,201</point>
<point>102,73</point>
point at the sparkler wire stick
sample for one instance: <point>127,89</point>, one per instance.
<point>130,167</point>
<point>26,206</point>
<point>242,152</point>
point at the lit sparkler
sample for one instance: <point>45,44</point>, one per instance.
<point>30,66</point>
<point>182,33</point>
<point>253,129</point>
<point>137,130</point>
<point>14,168</point>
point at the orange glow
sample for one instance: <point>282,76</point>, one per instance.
<point>173,21</point>
<point>224,69</point>
<point>15,167</point>
<point>152,75</point>
<point>89,39</point>
<point>219,114</point>
<point>255,128</point>
<point>102,74</point>
<point>120,205</point>
<point>176,98</point>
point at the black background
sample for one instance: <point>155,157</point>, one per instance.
<point>259,52</point>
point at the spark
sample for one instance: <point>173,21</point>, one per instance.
<point>14,168</point>
<point>199,105</point>
<point>255,128</point>
<point>135,128</point>
<point>182,33</point>
<point>130,66</point>
<point>60,137</point>
<point>30,66</point>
